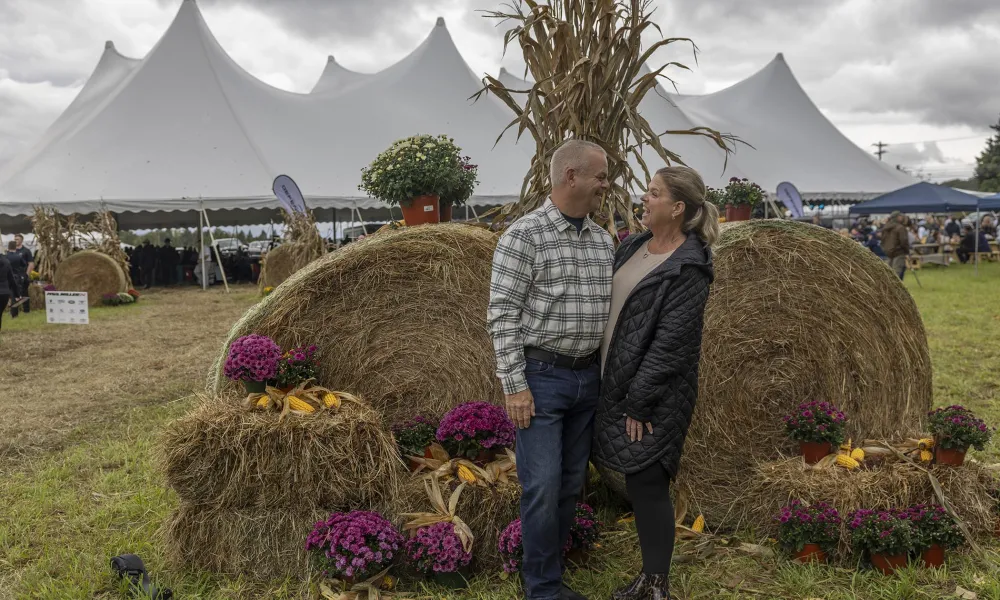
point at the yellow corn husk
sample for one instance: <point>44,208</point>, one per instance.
<point>847,462</point>
<point>699,524</point>
<point>296,403</point>
<point>926,455</point>
<point>925,443</point>
<point>846,446</point>
<point>858,454</point>
<point>331,400</point>
<point>465,474</point>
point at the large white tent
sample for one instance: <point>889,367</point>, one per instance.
<point>188,129</point>
<point>792,140</point>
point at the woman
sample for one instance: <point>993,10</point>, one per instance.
<point>650,356</point>
<point>8,286</point>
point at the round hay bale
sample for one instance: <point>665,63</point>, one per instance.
<point>36,296</point>
<point>796,313</point>
<point>399,319</point>
<point>885,484</point>
<point>91,272</point>
<point>486,510</point>
<point>225,455</point>
<point>281,263</point>
<point>253,543</point>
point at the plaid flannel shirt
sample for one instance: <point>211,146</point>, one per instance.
<point>550,289</point>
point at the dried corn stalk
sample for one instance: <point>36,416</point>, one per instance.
<point>105,231</point>
<point>586,58</point>
<point>53,234</point>
<point>303,238</point>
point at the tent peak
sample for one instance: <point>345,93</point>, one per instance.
<point>780,57</point>
<point>109,45</point>
<point>331,59</point>
<point>440,22</point>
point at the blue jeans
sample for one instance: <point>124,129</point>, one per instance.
<point>552,457</point>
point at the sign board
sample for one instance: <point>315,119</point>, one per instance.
<point>67,308</point>
<point>791,198</point>
<point>289,195</point>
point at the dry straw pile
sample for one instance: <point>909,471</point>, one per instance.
<point>92,272</point>
<point>36,295</point>
<point>796,313</point>
<point>251,487</point>
<point>105,229</point>
<point>303,244</point>
<point>399,319</point>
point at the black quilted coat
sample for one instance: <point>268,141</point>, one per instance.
<point>651,372</point>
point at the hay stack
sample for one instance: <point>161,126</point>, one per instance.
<point>251,543</point>
<point>36,295</point>
<point>878,484</point>
<point>91,272</point>
<point>222,454</point>
<point>796,313</point>
<point>281,263</point>
<point>486,510</point>
<point>399,318</point>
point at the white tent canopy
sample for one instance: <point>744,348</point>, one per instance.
<point>792,140</point>
<point>188,129</point>
<point>335,78</point>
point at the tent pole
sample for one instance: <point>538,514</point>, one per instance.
<point>362,221</point>
<point>201,233</point>
<point>216,248</point>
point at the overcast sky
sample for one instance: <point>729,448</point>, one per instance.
<point>898,71</point>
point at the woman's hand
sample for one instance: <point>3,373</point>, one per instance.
<point>634,429</point>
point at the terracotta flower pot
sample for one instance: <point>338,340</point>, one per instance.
<point>888,563</point>
<point>813,452</point>
<point>810,553</point>
<point>414,464</point>
<point>933,557</point>
<point>739,212</point>
<point>421,211</point>
<point>952,457</point>
<point>445,211</point>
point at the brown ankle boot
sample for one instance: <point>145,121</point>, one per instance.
<point>658,587</point>
<point>637,590</point>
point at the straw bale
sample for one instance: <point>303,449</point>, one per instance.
<point>226,455</point>
<point>878,484</point>
<point>281,263</point>
<point>486,510</point>
<point>92,272</point>
<point>253,543</point>
<point>796,313</point>
<point>399,319</point>
<point>36,295</point>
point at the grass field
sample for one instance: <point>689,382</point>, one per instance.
<point>83,407</point>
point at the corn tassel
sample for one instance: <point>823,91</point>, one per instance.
<point>847,462</point>
<point>296,403</point>
<point>858,454</point>
<point>699,524</point>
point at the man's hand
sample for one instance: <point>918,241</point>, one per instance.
<point>520,408</point>
<point>634,429</point>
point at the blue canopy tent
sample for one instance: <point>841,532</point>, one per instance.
<point>920,197</point>
<point>926,197</point>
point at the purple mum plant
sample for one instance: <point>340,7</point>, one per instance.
<point>799,525</point>
<point>881,532</point>
<point>816,422</point>
<point>471,429</point>
<point>584,531</point>
<point>510,547</point>
<point>252,358</point>
<point>296,366</point>
<point>957,427</point>
<point>437,549</point>
<point>933,525</point>
<point>356,545</point>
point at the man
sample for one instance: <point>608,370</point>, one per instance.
<point>971,243</point>
<point>896,243</point>
<point>29,262</point>
<point>19,272</point>
<point>147,263</point>
<point>550,295</point>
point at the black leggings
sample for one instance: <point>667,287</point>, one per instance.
<point>4,298</point>
<point>649,491</point>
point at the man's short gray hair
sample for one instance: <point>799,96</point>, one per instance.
<point>571,154</point>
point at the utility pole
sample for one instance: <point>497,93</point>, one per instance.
<point>881,149</point>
